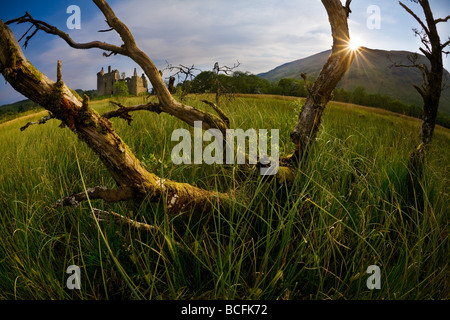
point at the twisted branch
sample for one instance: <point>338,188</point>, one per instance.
<point>219,111</point>
<point>40,121</point>
<point>123,112</point>
<point>110,216</point>
<point>108,195</point>
<point>44,26</point>
<point>424,27</point>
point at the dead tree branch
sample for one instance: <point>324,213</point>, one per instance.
<point>219,111</point>
<point>442,19</point>
<point>108,195</point>
<point>422,24</point>
<point>123,112</point>
<point>182,72</point>
<point>110,216</point>
<point>444,45</point>
<point>106,30</point>
<point>133,180</point>
<point>130,49</point>
<point>337,64</point>
<point>432,76</point>
<point>347,7</point>
<point>97,132</point>
<point>415,63</point>
<point>430,90</point>
<point>225,69</point>
<point>44,26</point>
<point>169,105</point>
<point>40,121</point>
<point>217,69</point>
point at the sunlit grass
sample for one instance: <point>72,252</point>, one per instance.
<point>345,211</point>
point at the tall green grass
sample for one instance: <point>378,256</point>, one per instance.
<point>345,211</point>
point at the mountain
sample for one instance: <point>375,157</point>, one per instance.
<point>371,69</point>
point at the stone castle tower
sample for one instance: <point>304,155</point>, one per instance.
<point>105,82</point>
<point>137,84</point>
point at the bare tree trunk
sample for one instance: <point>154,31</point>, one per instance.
<point>130,49</point>
<point>430,89</point>
<point>337,64</point>
<point>171,84</point>
<point>132,179</point>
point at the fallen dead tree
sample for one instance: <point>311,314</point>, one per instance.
<point>133,180</point>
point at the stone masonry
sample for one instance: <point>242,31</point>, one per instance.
<point>105,82</point>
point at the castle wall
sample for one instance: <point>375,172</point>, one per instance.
<point>136,85</point>
<point>105,82</point>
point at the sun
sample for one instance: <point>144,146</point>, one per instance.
<point>353,45</point>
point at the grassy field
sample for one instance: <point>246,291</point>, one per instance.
<point>314,240</point>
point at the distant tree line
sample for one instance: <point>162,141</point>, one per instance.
<point>238,82</point>
<point>361,97</point>
<point>245,82</point>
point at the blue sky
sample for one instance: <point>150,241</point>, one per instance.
<point>260,34</point>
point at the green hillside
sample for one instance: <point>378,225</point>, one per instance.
<point>13,110</point>
<point>26,106</point>
<point>370,69</point>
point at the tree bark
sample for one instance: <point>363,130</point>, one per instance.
<point>132,179</point>
<point>433,92</point>
<point>168,104</point>
<point>124,112</point>
<point>130,49</point>
<point>431,87</point>
<point>430,91</point>
<point>338,63</point>
<point>171,86</point>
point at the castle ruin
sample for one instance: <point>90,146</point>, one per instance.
<point>105,82</point>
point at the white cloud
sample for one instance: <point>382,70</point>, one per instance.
<point>260,34</point>
<point>202,32</point>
